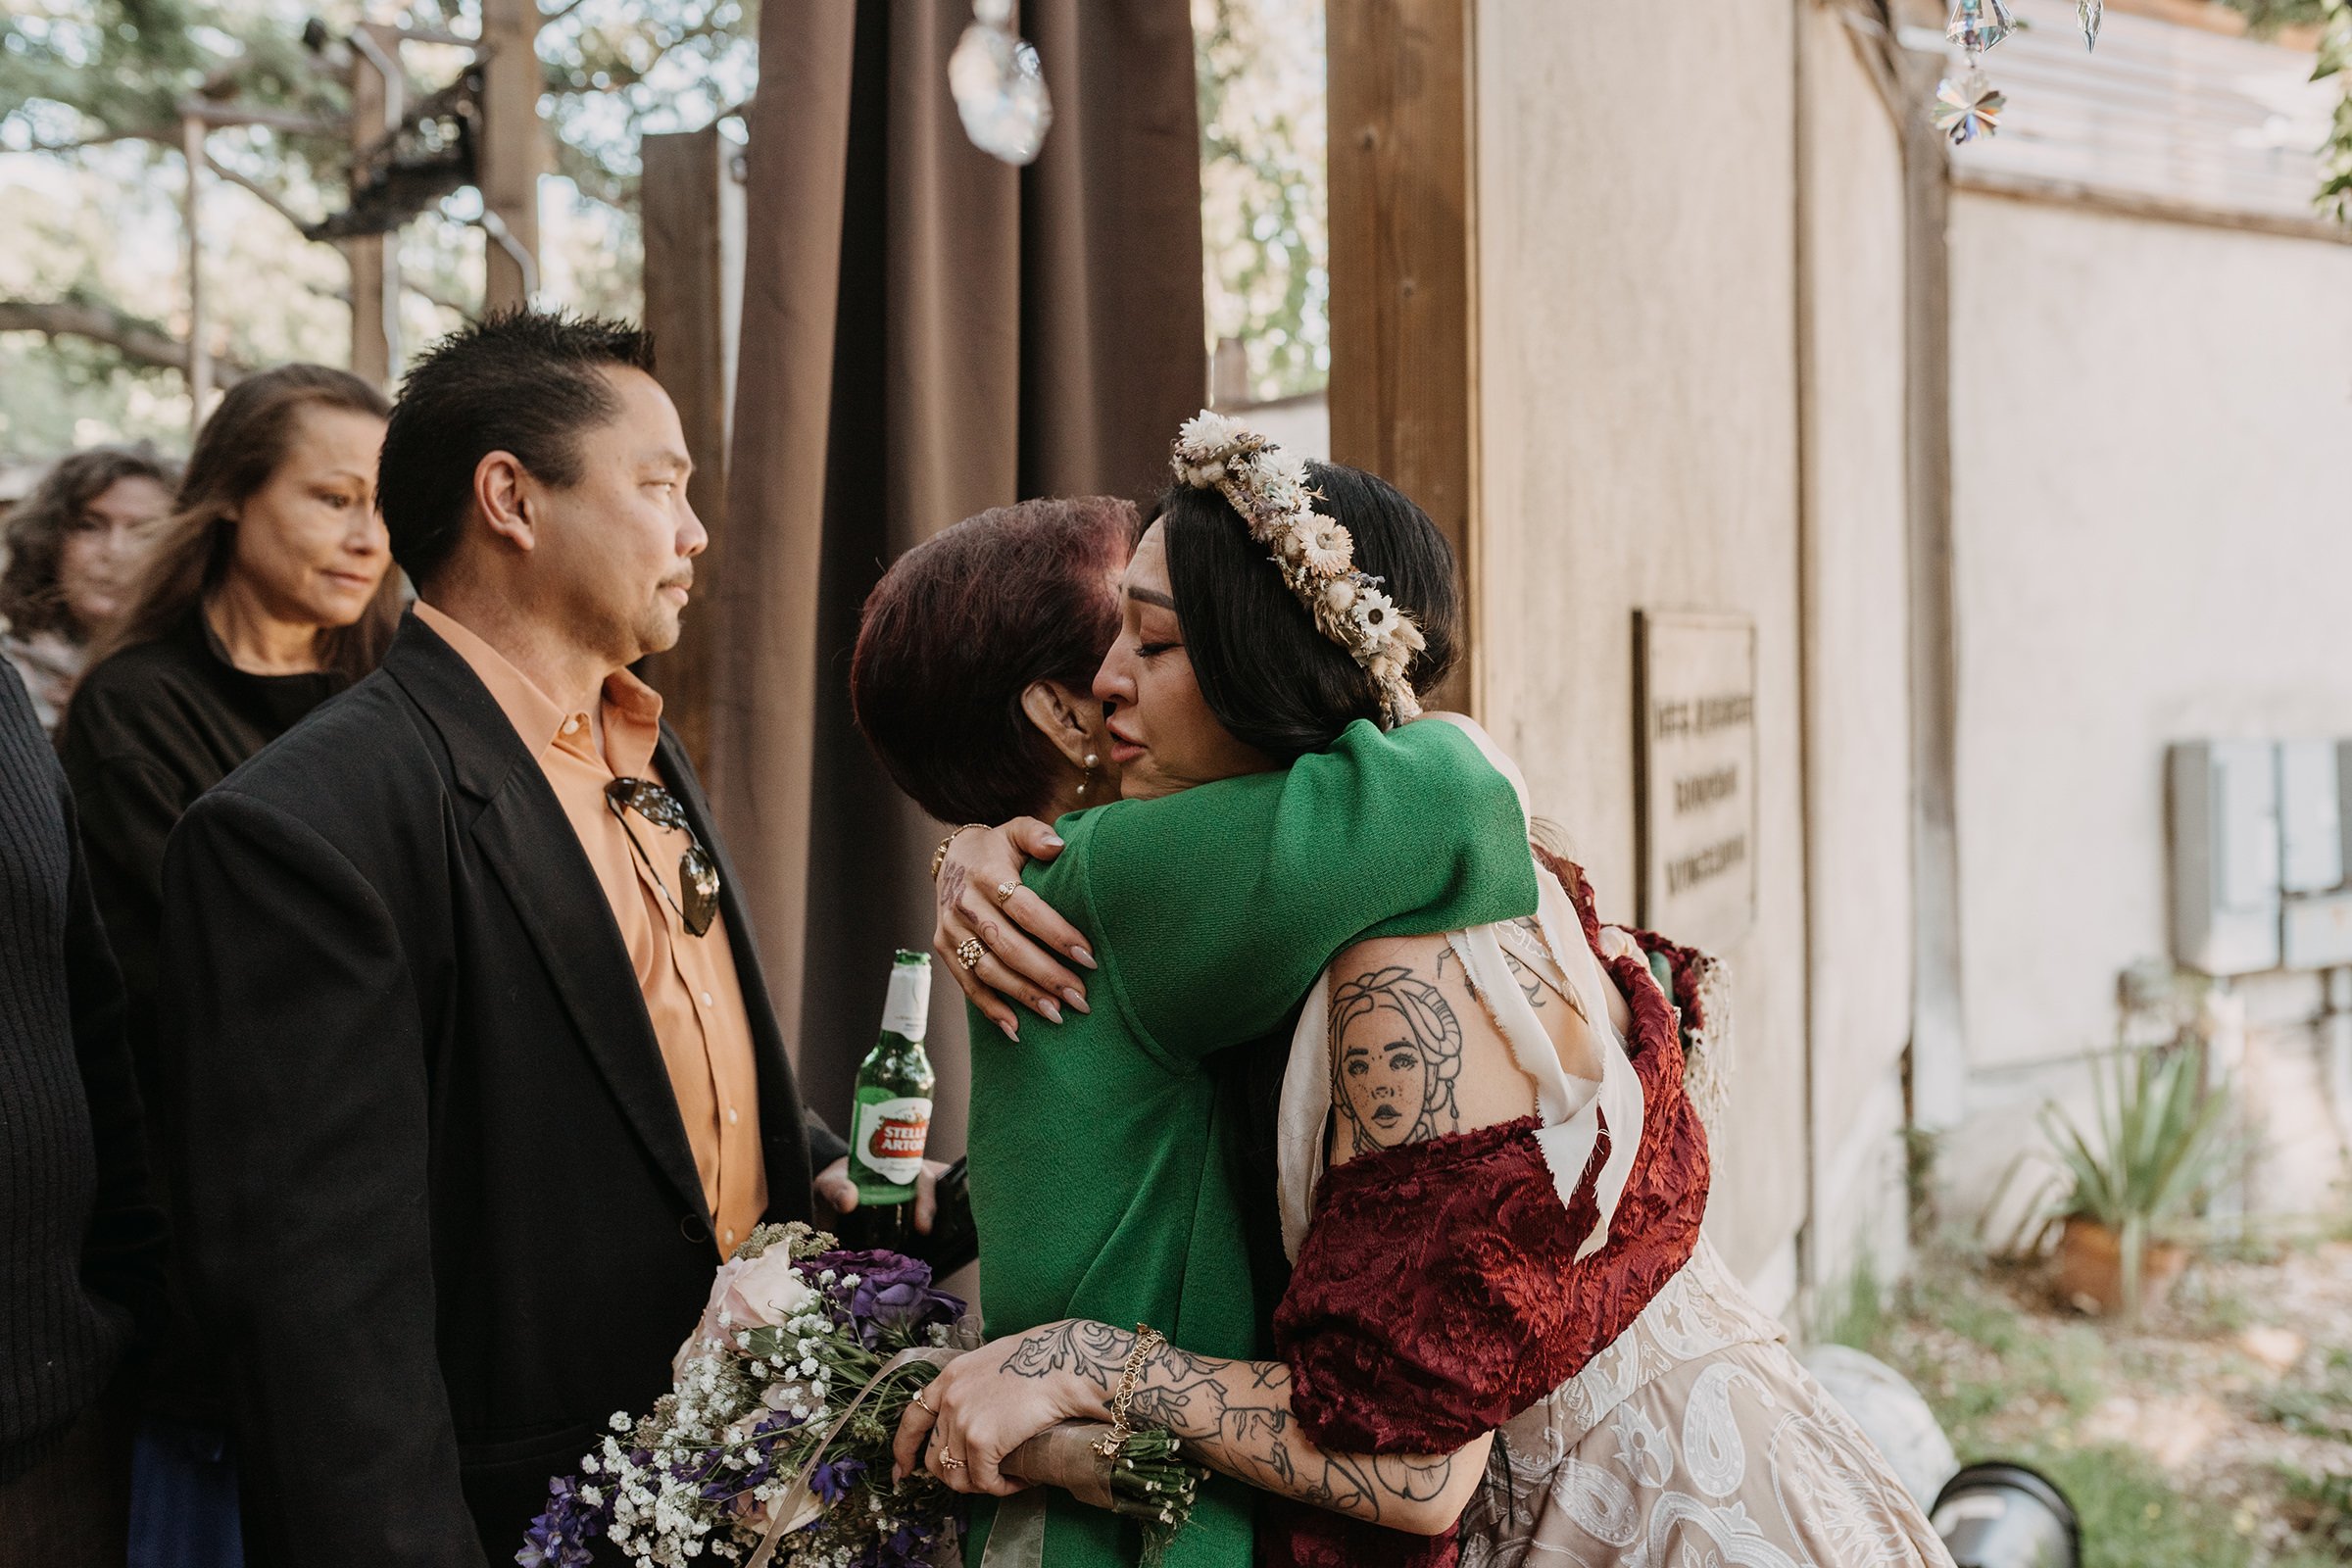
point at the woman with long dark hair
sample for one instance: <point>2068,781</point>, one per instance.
<point>74,549</point>
<point>269,591</point>
<point>1503,1336</point>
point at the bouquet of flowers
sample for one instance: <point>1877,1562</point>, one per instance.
<point>774,1443</point>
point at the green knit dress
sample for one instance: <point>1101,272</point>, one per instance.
<point>1099,1176</point>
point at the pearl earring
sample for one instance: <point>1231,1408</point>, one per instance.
<point>1088,782</point>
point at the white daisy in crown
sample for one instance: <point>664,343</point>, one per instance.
<point>1315,553</point>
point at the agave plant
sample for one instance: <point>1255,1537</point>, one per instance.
<point>2162,1135</point>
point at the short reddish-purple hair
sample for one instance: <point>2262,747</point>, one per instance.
<point>961,624</point>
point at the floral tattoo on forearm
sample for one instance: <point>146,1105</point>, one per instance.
<point>1236,1417</point>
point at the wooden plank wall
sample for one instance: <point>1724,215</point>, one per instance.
<point>1402,303</point>
<point>693,218</point>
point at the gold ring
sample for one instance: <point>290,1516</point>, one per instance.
<point>969,952</point>
<point>1005,893</point>
<point>926,1404</point>
<point>947,1462</point>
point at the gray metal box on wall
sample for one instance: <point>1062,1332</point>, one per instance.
<point>2315,924</point>
<point>2226,852</point>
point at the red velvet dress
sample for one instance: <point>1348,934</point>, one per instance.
<point>1437,1293</point>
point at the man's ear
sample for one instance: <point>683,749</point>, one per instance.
<point>505,494</point>
<point>1060,716</point>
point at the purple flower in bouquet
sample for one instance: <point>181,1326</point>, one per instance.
<point>560,1537</point>
<point>832,1480</point>
<point>893,1292</point>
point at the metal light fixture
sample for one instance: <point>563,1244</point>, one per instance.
<point>2002,1515</point>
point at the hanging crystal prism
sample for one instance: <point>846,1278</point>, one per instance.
<point>1000,90</point>
<point>1978,25</point>
<point>1968,108</point>
<point>2090,13</point>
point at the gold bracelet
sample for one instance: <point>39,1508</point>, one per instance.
<point>939,856</point>
<point>1147,1340</point>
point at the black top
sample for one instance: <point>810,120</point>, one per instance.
<point>148,731</point>
<point>80,1240</point>
<point>440,1207</point>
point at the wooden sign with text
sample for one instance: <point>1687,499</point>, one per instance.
<point>1694,763</point>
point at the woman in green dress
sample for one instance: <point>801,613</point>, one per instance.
<point>1098,1145</point>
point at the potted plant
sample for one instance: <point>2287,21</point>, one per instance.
<point>2161,1135</point>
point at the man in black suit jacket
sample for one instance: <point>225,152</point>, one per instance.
<point>458,1139</point>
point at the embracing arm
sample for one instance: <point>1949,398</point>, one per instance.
<point>1236,1417</point>
<point>1212,910</point>
<point>1233,1416</point>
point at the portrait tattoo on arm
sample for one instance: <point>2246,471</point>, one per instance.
<point>1395,1053</point>
<point>1236,1417</point>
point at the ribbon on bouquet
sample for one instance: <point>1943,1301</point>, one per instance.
<point>800,1505</point>
<point>1063,1455</point>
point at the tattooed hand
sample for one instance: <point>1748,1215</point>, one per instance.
<point>972,1415</point>
<point>1236,1417</point>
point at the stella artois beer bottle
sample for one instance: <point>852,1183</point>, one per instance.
<point>891,1118</point>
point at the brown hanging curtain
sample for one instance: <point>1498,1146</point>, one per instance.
<point>927,332</point>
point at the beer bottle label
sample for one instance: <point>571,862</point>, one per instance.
<point>890,1135</point>
<point>908,1012</point>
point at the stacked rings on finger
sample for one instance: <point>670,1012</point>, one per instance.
<point>948,1461</point>
<point>969,952</point>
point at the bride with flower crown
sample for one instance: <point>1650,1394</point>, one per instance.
<point>1502,1335</point>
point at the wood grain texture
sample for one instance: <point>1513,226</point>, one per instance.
<point>1402,309</point>
<point>692,274</point>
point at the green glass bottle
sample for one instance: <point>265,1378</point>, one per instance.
<point>890,1120</point>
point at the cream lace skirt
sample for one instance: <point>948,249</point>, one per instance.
<point>1694,1439</point>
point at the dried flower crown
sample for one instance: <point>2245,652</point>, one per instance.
<point>1314,554</point>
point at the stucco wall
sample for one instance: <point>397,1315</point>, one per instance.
<point>2149,426</point>
<point>1637,447</point>
<point>1857,655</point>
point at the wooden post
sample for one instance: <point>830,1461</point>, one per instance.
<point>514,150</point>
<point>199,360</point>
<point>1403,327</point>
<point>377,92</point>
<point>691,205</point>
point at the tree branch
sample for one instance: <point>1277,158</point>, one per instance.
<point>162,138</point>
<point>262,194</point>
<point>140,341</point>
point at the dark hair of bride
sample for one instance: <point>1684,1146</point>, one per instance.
<point>1266,672</point>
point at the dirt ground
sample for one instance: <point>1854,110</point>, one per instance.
<point>2218,1433</point>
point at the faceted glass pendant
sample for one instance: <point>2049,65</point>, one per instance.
<point>1968,108</point>
<point>1000,90</point>
<point>1978,24</point>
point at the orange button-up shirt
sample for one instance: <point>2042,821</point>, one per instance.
<point>691,991</point>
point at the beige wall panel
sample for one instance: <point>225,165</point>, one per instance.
<point>2151,543</point>
<point>1636,448</point>
<point>1857,655</point>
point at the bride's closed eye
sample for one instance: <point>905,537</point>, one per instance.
<point>1153,650</point>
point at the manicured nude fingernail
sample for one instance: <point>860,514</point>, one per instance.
<point>1076,999</point>
<point>1010,1033</point>
<point>1085,957</point>
<point>1054,840</point>
<point>1050,1007</point>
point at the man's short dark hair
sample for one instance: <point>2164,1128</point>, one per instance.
<point>523,381</point>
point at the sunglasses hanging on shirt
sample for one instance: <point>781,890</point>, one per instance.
<point>697,900</point>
